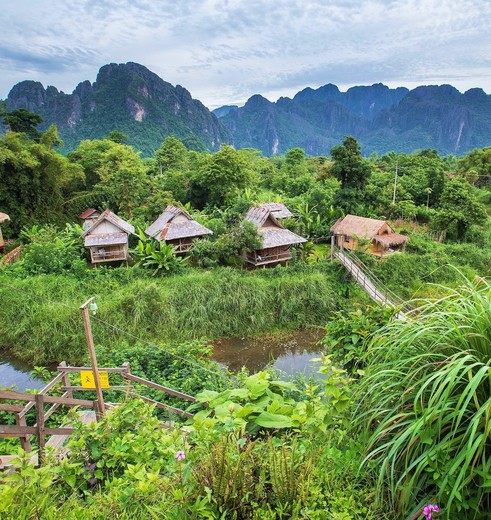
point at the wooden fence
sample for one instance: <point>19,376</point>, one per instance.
<point>61,382</point>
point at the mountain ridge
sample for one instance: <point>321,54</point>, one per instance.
<point>126,97</point>
<point>130,98</point>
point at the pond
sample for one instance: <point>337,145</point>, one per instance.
<point>290,352</point>
<point>15,372</point>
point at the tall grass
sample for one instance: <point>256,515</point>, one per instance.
<point>426,404</point>
<point>41,321</point>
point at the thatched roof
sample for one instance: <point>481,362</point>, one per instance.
<point>274,237</point>
<point>113,219</point>
<point>278,209</point>
<point>274,234</point>
<point>3,217</point>
<point>391,239</point>
<point>174,223</point>
<point>362,227</point>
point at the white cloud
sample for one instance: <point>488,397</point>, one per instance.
<point>225,51</point>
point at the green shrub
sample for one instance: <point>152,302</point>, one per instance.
<point>426,404</point>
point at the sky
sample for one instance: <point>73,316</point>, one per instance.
<point>224,51</point>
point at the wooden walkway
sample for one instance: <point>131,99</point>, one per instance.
<point>56,443</point>
<point>370,283</point>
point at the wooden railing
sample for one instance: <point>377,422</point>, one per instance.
<point>370,283</point>
<point>108,256</point>
<point>62,383</point>
<point>266,259</point>
<point>11,257</point>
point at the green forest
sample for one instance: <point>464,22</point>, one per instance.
<point>395,425</point>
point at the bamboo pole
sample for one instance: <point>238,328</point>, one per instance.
<point>93,358</point>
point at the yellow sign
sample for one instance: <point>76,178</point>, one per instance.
<point>87,378</point>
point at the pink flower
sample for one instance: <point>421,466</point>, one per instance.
<point>180,455</point>
<point>429,509</point>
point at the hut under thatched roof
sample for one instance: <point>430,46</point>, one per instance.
<point>3,218</point>
<point>107,238</point>
<point>383,240</point>
<point>177,228</point>
<point>278,209</point>
<point>277,240</point>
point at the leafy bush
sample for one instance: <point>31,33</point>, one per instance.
<point>347,333</point>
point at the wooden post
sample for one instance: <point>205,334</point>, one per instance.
<point>333,238</point>
<point>66,380</point>
<point>93,359</point>
<point>24,441</point>
<point>40,427</point>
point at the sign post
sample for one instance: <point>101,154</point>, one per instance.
<point>93,359</point>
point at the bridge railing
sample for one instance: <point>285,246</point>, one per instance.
<point>370,282</point>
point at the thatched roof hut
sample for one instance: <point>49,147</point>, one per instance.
<point>383,239</point>
<point>277,240</point>
<point>107,238</point>
<point>177,227</point>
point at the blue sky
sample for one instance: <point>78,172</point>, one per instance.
<point>224,51</point>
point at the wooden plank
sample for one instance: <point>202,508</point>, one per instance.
<point>162,405</point>
<point>16,431</point>
<point>81,388</point>
<point>17,396</point>
<point>43,390</point>
<point>40,427</point>
<point>11,407</point>
<point>78,369</point>
<point>170,391</point>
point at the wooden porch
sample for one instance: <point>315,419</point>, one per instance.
<point>115,253</point>
<point>268,256</point>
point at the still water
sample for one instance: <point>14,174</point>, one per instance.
<point>290,352</point>
<point>15,372</point>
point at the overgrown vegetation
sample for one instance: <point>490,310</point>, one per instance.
<point>398,417</point>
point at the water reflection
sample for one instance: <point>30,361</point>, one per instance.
<point>289,352</point>
<point>16,373</point>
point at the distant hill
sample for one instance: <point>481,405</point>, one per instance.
<point>382,119</point>
<point>125,97</point>
<point>130,98</point>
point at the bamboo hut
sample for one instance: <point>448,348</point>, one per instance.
<point>3,218</point>
<point>107,238</point>
<point>177,228</point>
<point>381,239</point>
<point>277,241</point>
<point>88,217</point>
<point>277,209</point>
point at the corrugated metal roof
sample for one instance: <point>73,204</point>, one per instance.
<point>89,212</point>
<point>275,237</point>
<point>278,209</point>
<point>114,219</point>
<point>360,226</point>
<point>165,229</point>
<point>106,239</point>
<point>3,217</point>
